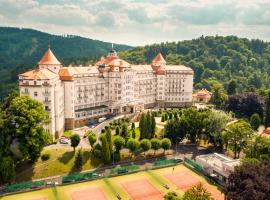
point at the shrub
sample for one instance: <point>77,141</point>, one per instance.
<point>45,156</point>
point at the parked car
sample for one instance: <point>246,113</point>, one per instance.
<point>64,140</point>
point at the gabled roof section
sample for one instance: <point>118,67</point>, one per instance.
<point>39,74</point>
<point>49,59</point>
<point>159,59</point>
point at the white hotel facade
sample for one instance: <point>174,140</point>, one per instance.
<point>73,95</point>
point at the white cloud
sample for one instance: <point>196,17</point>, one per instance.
<point>140,22</point>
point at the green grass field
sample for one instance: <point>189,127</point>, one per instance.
<point>111,186</point>
<point>61,162</point>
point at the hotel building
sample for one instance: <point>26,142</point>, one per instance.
<point>73,95</point>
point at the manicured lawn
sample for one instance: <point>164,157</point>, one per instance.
<point>67,134</point>
<point>61,162</point>
<point>111,187</point>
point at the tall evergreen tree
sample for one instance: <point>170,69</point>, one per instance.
<point>267,110</point>
<point>148,125</point>
<point>106,154</point>
<point>109,139</point>
<point>142,126</point>
<point>153,126</point>
<point>231,87</point>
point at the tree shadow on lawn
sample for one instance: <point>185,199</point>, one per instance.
<point>24,172</point>
<point>66,157</point>
<point>87,155</point>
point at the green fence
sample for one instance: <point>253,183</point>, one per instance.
<point>193,164</point>
<point>160,163</point>
<point>24,186</point>
<point>78,177</point>
<point>125,169</point>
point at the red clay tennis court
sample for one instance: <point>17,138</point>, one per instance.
<point>88,194</point>
<point>183,180</point>
<point>142,190</point>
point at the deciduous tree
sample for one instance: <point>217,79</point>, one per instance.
<point>249,181</point>
<point>255,121</point>
<point>26,118</point>
<point>166,144</point>
<point>145,144</point>
<point>237,135</point>
<point>119,142</point>
<point>74,140</point>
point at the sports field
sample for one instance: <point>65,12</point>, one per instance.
<point>151,185</point>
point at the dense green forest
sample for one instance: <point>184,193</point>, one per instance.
<point>214,59</point>
<point>21,49</point>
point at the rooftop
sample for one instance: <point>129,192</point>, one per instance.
<point>49,59</point>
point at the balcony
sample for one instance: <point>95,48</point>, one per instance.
<point>47,101</point>
<point>46,93</point>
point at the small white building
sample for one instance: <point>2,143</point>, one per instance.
<point>217,165</point>
<point>73,95</point>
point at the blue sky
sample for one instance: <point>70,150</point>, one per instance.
<point>140,22</point>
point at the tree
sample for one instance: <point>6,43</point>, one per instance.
<point>152,126</point>
<point>267,110</point>
<point>142,127</point>
<point>245,105</point>
<point>79,160</point>
<point>119,142</point>
<point>213,124</point>
<point>258,148</point>
<point>26,118</point>
<point>218,95</point>
<point>133,133</point>
<point>175,130</point>
<point>162,118</point>
<point>7,169</point>
<point>166,144</point>
<point>132,125</point>
<point>197,192</point>
<point>255,121</point>
<point>148,125</point>
<point>92,138</point>
<point>74,140</point>
<point>106,153</point>
<point>231,90</point>
<point>124,130</point>
<point>249,181</point>
<point>117,130</point>
<point>109,139</point>
<point>155,143</point>
<point>133,144</point>
<point>237,135</point>
<point>145,144</point>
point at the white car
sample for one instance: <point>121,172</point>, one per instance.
<point>63,141</point>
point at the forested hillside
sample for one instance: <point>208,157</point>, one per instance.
<point>21,49</point>
<point>214,59</point>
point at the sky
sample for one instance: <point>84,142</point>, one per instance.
<point>140,22</point>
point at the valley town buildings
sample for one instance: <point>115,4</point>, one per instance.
<point>73,95</point>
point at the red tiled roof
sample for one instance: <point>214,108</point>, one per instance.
<point>49,59</point>
<point>159,58</point>
<point>65,75</point>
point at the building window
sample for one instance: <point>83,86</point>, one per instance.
<point>35,83</point>
<point>35,94</point>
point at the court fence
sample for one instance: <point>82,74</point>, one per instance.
<point>87,176</point>
<point>24,186</point>
<point>78,177</point>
